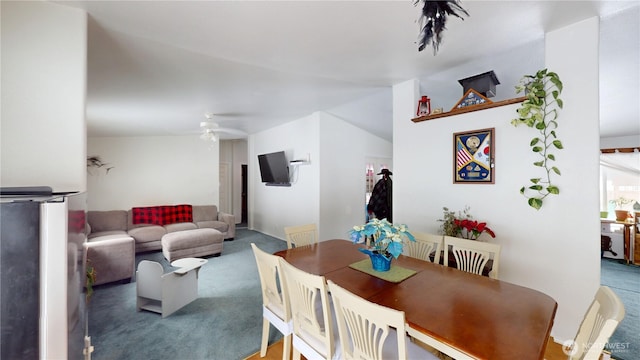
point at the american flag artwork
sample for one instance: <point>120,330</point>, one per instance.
<point>474,156</point>
<point>462,156</point>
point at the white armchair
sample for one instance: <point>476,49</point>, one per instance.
<point>164,293</point>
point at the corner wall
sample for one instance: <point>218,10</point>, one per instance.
<point>554,250</point>
<point>329,191</point>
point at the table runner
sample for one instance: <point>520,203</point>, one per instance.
<point>395,274</point>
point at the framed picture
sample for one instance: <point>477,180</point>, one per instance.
<point>473,154</point>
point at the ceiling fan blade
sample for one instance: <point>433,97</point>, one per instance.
<point>231,131</point>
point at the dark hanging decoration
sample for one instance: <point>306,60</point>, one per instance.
<point>433,20</point>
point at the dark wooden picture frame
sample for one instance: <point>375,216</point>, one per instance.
<point>473,157</point>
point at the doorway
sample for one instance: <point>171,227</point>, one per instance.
<point>243,196</point>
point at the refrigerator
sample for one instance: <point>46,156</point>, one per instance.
<point>43,309</point>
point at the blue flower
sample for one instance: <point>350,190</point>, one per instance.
<point>386,238</point>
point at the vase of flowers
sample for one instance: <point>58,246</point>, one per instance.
<point>385,241</point>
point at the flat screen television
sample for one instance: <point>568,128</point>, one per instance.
<point>274,169</point>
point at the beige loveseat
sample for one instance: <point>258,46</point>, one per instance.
<point>148,236</point>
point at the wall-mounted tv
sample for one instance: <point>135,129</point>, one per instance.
<point>274,169</point>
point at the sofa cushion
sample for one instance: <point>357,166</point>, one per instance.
<point>205,213</point>
<point>146,215</point>
<point>212,224</point>
<point>107,220</point>
<point>105,234</point>
<point>147,233</point>
<point>180,227</point>
<point>176,214</point>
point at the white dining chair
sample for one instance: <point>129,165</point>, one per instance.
<point>313,322</point>
<point>370,331</point>
<point>424,246</point>
<point>275,302</point>
<point>599,322</point>
<point>472,255</point>
<point>301,235</point>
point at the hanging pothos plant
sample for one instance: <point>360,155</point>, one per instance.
<point>540,111</point>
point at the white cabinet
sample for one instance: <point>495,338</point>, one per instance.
<point>615,232</point>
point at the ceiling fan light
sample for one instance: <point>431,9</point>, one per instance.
<point>208,125</point>
<point>209,135</point>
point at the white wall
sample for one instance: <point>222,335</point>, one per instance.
<point>554,250</point>
<point>153,171</point>
<point>329,191</point>
<point>344,149</point>
<point>43,131</point>
<point>620,141</point>
<point>274,207</point>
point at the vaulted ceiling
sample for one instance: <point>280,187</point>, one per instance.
<point>156,67</point>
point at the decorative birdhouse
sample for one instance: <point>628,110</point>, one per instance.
<point>484,84</point>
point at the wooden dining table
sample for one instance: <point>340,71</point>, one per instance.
<point>464,315</point>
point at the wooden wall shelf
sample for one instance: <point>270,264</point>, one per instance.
<point>620,150</point>
<point>470,109</point>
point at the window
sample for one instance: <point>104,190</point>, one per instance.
<point>619,178</point>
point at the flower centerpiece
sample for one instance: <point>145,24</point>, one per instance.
<point>462,225</point>
<point>386,240</point>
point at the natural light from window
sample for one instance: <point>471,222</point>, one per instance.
<point>619,179</point>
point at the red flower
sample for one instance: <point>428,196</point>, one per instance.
<point>472,229</point>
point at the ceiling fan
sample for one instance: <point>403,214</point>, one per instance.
<point>211,129</point>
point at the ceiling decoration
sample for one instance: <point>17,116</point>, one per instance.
<point>433,20</point>
<point>210,129</point>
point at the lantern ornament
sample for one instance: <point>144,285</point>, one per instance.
<point>424,106</point>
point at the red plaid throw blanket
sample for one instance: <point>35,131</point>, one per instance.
<point>162,215</point>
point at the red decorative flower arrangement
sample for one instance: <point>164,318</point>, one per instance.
<point>471,229</point>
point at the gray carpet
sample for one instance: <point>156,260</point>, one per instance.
<point>225,322</point>
<point>624,280</point>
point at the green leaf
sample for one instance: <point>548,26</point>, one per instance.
<point>536,149</point>
<point>556,170</point>
<point>539,163</point>
<point>522,190</point>
<point>541,125</point>
<point>555,94</point>
<point>534,141</point>
<point>557,144</point>
<point>535,203</point>
<point>560,103</point>
<point>535,180</point>
<point>536,187</point>
<point>551,157</point>
<point>552,189</point>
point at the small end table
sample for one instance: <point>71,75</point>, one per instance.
<point>187,264</point>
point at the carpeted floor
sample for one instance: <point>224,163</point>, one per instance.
<point>225,322</point>
<point>624,280</point>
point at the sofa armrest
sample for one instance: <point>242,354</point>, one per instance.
<point>230,220</point>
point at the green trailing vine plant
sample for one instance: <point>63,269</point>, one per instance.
<point>90,279</point>
<point>540,111</point>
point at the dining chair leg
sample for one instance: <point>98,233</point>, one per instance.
<point>286,347</point>
<point>265,337</point>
